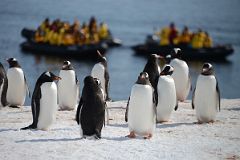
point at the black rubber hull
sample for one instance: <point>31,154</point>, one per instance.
<point>76,52</point>
<point>212,54</point>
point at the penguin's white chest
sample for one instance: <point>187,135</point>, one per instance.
<point>141,114</point>
<point>166,98</point>
<point>16,91</point>
<point>206,99</point>
<point>181,78</point>
<point>98,71</point>
<point>48,105</point>
<point>67,90</point>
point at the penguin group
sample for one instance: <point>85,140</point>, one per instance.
<point>153,97</point>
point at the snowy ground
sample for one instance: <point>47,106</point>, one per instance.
<point>178,139</point>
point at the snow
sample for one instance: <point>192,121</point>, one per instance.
<point>180,138</point>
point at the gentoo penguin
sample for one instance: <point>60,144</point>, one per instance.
<point>91,109</point>
<point>44,102</point>
<point>68,87</point>
<point>141,108</point>
<point>206,95</point>
<point>100,71</point>
<point>3,86</point>
<point>167,98</point>
<point>17,84</point>
<point>153,69</point>
<point>180,75</point>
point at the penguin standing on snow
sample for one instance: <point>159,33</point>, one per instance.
<point>91,109</point>
<point>180,75</point>
<point>44,102</point>
<point>3,86</point>
<point>17,84</point>
<point>68,87</point>
<point>100,71</point>
<point>141,108</point>
<point>167,99</point>
<point>153,69</point>
<point>206,95</point>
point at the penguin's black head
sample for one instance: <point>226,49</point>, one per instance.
<point>143,78</point>
<point>168,58</point>
<point>91,85</point>
<point>67,65</point>
<point>167,70</point>
<point>101,58</point>
<point>13,62</point>
<point>48,77</point>
<point>154,57</point>
<point>176,53</point>
<point>207,69</point>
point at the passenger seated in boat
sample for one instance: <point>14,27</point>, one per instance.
<point>198,39</point>
<point>164,36</point>
<point>207,41</point>
<point>185,37</point>
<point>103,32</point>
<point>173,34</point>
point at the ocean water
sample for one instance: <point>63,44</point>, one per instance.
<point>131,21</point>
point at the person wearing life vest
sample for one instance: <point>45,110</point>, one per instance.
<point>198,39</point>
<point>173,34</point>
<point>185,37</point>
<point>103,32</point>
<point>164,36</point>
<point>207,41</point>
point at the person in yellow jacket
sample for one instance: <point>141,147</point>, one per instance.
<point>164,36</point>
<point>207,41</point>
<point>103,32</point>
<point>185,37</point>
<point>198,39</point>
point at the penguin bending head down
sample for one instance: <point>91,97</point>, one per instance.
<point>91,109</point>
<point>141,108</point>
<point>3,86</point>
<point>68,87</point>
<point>17,84</point>
<point>180,75</point>
<point>167,99</point>
<point>44,102</point>
<point>206,95</point>
<point>100,71</point>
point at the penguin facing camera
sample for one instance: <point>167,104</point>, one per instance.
<point>68,87</point>
<point>141,108</point>
<point>206,95</point>
<point>17,84</point>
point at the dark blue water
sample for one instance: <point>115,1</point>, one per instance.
<point>131,21</point>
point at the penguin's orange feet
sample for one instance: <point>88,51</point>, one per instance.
<point>148,136</point>
<point>131,135</point>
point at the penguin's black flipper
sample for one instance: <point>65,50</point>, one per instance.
<point>218,96</point>
<point>27,88</point>
<point>35,105</point>
<point>77,118</point>
<point>4,91</point>
<point>126,113</point>
<point>193,96</point>
<point>107,84</point>
<point>176,106</point>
